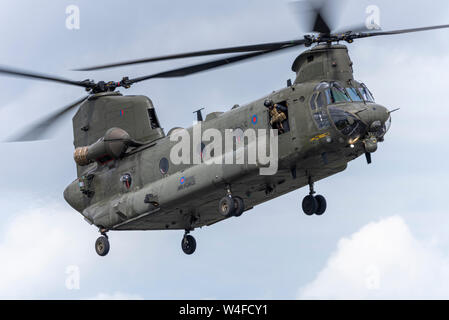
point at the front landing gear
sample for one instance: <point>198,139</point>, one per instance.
<point>102,245</point>
<point>231,206</point>
<point>313,204</point>
<point>188,244</point>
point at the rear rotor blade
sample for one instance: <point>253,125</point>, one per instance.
<point>249,48</point>
<point>39,76</point>
<point>37,131</point>
<point>185,71</point>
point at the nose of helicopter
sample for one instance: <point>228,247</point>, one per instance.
<point>374,116</point>
<point>366,123</point>
<point>377,120</point>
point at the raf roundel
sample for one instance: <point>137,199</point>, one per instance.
<point>254,119</point>
<point>182,180</point>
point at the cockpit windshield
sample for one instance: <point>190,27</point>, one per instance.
<point>338,94</point>
<point>354,95</point>
<point>366,94</point>
<point>334,92</point>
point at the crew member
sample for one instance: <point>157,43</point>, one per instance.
<point>278,116</point>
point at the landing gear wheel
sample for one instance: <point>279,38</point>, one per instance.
<point>239,206</point>
<point>226,206</point>
<point>322,205</point>
<point>102,246</point>
<point>309,205</point>
<point>188,244</point>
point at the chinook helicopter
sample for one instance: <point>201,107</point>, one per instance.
<point>127,181</point>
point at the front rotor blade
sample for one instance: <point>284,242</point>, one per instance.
<point>38,130</point>
<point>320,25</point>
<point>314,15</point>
<point>387,33</point>
<point>249,48</point>
<point>185,71</point>
<point>39,76</point>
<point>357,28</point>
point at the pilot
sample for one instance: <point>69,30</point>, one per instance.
<point>278,116</point>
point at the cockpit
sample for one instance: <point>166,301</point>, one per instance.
<point>329,106</point>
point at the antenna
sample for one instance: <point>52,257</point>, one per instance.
<point>390,112</point>
<point>199,115</point>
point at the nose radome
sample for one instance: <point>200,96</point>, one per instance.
<point>374,113</point>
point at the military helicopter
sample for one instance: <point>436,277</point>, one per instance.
<point>126,179</point>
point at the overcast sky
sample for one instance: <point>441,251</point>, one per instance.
<point>384,235</point>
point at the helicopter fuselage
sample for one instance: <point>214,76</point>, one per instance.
<point>331,120</point>
<point>185,196</point>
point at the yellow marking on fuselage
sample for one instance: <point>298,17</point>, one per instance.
<point>320,136</point>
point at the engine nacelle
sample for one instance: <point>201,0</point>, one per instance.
<point>110,147</point>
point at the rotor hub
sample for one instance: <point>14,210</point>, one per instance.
<point>103,86</point>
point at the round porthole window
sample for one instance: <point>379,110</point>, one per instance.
<point>163,165</point>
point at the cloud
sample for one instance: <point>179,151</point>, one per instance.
<point>116,296</point>
<point>382,261</point>
<point>47,251</point>
<point>36,247</point>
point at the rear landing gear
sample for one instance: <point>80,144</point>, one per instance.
<point>102,245</point>
<point>188,244</point>
<point>313,204</point>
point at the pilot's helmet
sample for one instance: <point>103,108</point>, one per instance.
<point>268,103</point>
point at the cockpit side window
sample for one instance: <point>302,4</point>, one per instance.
<point>320,101</point>
<point>313,101</point>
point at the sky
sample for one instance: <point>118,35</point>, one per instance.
<point>384,235</point>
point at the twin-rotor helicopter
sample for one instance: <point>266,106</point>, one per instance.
<point>127,181</point>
